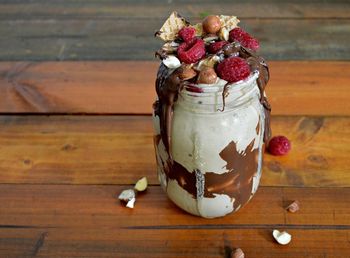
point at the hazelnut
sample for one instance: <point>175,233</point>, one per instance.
<point>207,76</point>
<point>211,24</point>
<point>127,195</point>
<point>131,203</point>
<point>237,253</point>
<point>282,238</point>
<point>141,184</point>
<point>293,207</point>
<point>187,73</point>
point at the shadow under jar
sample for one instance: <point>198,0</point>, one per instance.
<point>213,163</point>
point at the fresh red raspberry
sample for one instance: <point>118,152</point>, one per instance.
<point>244,38</point>
<point>233,69</point>
<point>213,48</point>
<point>192,51</point>
<point>187,33</point>
<point>279,145</point>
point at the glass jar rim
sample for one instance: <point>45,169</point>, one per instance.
<point>204,89</point>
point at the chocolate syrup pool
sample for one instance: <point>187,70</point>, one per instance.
<point>190,184</point>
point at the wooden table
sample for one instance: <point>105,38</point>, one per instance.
<point>73,134</point>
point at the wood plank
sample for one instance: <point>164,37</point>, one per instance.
<point>80,206</point>
<point>295,88</point>
<point>119,150</point>
<point>125,39</point>
<point>110,9</point>
<point>113,242</point>
<point>63,220</point>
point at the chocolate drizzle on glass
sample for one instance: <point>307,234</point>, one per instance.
<point>169,84</point>
<point>257,63</point>
<point>237,182</point>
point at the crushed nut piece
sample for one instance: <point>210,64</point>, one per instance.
<point>131,203</point>
<point>210,38</point>
<point>237,253</point>
<point>282,238</point>
<point>199,29</point>
<point>210,61</point>
<point>224,34</point>
<point>187,72</point>
<point>293,207</point>
<point>141,184</point>
<point>127,195</point>
<point>170,47</point>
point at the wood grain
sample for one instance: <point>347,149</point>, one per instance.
<point>112,242</point>
<point>111,9</point>
<point>62,220</point>
<point>126,39</point>
<point>119,150</point>
<point>295,88</point>
<point>37,206</point>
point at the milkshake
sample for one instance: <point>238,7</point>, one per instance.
<point>211,116</point>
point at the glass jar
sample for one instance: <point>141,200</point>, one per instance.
<point>214,163</point>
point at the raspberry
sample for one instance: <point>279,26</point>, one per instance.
<point>244,38</point>
<point>279,145</point>
<point>213,48</point>
<point>233,69</point>
<point>187,33</point>
<point>192,51</point>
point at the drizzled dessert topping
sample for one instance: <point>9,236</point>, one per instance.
<point>214,56</point>
<point>203,54</point>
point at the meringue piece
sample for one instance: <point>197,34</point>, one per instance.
<point>172,62</point>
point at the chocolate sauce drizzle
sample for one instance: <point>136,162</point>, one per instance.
<point>237,182</point>
<point>169,84</point>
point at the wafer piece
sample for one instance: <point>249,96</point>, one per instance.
<point>171,27</point>
<point>228,22</point>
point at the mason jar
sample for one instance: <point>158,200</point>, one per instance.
<point>214,163</point>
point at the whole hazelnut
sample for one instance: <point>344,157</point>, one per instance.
<point>207,76</point>
<point>211,24</point>
<point>187,73</point>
